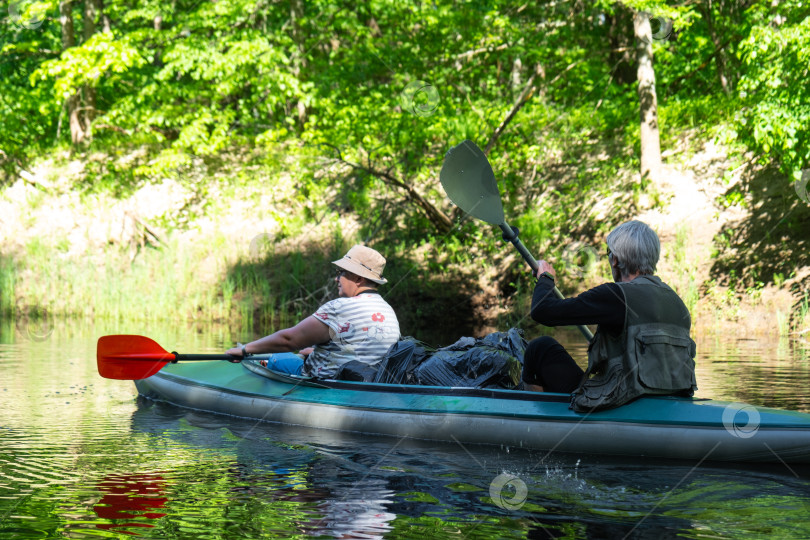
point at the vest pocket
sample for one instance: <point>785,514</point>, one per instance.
<point>665,361</point>
<point>603,391</point>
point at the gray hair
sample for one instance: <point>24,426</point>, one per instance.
<point>636,247</point>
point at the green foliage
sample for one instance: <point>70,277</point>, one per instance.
<point>8,276</point>
<point>192,79</point>
<point>732,198</point>
<point>28,114</point>
<point>775,115</point>
<point>102,57</point>
<point>357,103</point>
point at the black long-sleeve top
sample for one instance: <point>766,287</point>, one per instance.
<point>603,305</point>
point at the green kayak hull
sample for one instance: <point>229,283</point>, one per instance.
<point>651,427</point>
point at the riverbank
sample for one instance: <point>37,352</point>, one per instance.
<point>250,248</point>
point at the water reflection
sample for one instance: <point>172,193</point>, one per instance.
<point>331,483</point>
<point>301,483</point>
<point>130,496</point>
<point>80,457</point>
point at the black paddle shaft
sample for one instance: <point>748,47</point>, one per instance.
<point>511,234</point>
<point>192,357</point>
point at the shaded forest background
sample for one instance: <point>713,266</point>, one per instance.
<point>213,156</point>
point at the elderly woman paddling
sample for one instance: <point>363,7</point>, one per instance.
<point>358,326</point>
<point>642,343</point>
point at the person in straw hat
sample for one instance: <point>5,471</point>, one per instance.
<point>359,325</point>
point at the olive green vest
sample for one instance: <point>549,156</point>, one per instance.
<point>654,353</point>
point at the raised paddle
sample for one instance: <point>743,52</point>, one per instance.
<point>469,182</point>
<point>130,357</point>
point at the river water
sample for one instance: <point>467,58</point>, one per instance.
<point>83,457</point>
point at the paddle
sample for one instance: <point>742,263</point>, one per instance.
<point>130,357</point>
<point>469,182</point>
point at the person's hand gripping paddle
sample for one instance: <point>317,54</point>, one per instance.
<point>469,182</point>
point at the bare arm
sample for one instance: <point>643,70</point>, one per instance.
<point>308,332</point>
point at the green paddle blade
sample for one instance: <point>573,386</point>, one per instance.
<point>469,182</point>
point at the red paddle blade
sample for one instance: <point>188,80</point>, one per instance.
<point>130,357</point>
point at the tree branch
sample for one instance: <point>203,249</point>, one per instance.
<point>114,128</point>
<point>677,80</point>
<point>435,215</point>
<point>525,96</point>
<point>528,90</point>
<point>469,54</point>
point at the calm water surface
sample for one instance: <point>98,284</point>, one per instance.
<point>82,457</point>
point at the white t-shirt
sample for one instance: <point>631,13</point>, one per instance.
<point>361,328</point>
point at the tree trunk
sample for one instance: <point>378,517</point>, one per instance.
<point>68,41</point>
<point>719,57</point>
<point>106,25</point>
<point>296,14</point>
<point>299,60</point>
<point>66,20</point>
<point>620,52</point>
<point>650,143</point>
<point>89,19</point>
<point>91,11</point>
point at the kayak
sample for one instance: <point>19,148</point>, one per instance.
<point>650,427</point>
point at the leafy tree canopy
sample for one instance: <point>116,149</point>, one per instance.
<point>375,93</point>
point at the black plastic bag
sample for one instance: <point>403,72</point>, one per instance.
<point>494,361</point>
<point>356,371</point>
<point>479,367</point>
<point>511,341</point>
<point>399,363</point>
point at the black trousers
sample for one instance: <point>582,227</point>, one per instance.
<point>546,363</point>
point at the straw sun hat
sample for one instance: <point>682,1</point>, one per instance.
<point>365,262</point>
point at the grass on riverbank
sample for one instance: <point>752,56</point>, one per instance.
<point>186,282</point>
<point>261,289</point>
<point>159,284</point>
<point>438,292</point>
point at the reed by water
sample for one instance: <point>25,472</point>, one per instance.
<point>180,281</point>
